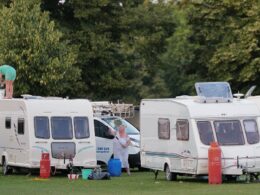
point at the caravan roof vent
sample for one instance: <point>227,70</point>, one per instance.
<point>213,92</point>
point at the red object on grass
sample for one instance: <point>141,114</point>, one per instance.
<point>214,164</point>
<point>45,166</point>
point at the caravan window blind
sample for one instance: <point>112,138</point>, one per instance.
<point>164,128</point>
<point>182,130</point>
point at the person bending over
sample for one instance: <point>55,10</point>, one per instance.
<point>10,74</point>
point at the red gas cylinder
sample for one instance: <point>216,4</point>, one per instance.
<point>45,166</point>
<point>214,164</point>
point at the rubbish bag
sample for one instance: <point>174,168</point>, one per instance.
<point>98,175</point>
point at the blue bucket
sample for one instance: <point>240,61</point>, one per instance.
<point>114,167</point>
<point>85,173</point>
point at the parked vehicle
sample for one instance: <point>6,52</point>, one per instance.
<point>104,123</point>
<point>61,127</point>
<point>176,133</point>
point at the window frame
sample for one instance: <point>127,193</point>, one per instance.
<point>246,133</point>
<point>49,134</point>
<point>98,125</point>
<point>19,130</point>
<point>183,137</point>
<point>164,128</point>
<point>8,120</point>
<point>71,128</point>
<point>87,121</point>
<point>205,134</point>
<point>218,135</point>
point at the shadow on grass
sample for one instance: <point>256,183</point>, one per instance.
<point>243,179</point>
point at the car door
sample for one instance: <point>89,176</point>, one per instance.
<point>104,141</point>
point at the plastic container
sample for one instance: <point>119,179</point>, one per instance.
<point>73,176</point>
<point>85,173</point>
<point>114,167</point>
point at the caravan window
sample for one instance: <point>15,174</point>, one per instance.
<point>61,128</point>
<point>229,132</point>
<point>41,127</point>
<point>8,123</point>
<point>251,131</point>
<point>205,132</point>
<point>81,127</point>
<point>164,128</point>
<point>21,126</point>
<point>182,130</point>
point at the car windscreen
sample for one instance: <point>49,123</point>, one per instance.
<point>130,129</point>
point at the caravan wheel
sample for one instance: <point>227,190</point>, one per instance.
<point>169,175</point>
<point>6,169</point>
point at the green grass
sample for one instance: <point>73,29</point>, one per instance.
<point>138,183</point>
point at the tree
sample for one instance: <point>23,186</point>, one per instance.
<point>146,28</point>
<point>218,42</point>
<point>180,58</point>
<point>30,42</point>
<point>120,42</point>
<point>237,59</point>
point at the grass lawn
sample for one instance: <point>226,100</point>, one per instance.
<point>138,183</point>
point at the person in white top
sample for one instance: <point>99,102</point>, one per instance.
<point>121,143</point>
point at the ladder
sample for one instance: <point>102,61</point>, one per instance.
<point>101,108</point>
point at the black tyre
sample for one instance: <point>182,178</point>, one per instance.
<point>169,176</point>
<point>6,169</point>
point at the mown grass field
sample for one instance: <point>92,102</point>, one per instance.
<point>138,183</point>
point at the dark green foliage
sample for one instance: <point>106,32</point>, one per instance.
<point>131,49</point>
<point>218,41</point>
<point>120,43</point>
<point>30,42</point>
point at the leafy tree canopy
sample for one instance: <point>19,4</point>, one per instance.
<point>30,42</point>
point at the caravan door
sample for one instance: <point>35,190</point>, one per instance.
<point>22,140</point>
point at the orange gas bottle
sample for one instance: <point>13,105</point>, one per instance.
<point>214,164</point>
<point>45,166</point>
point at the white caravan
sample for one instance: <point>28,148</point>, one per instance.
<point>176,133</point>
<point>61,127</point>
<point>104,113</point>
<point>255,99</point>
